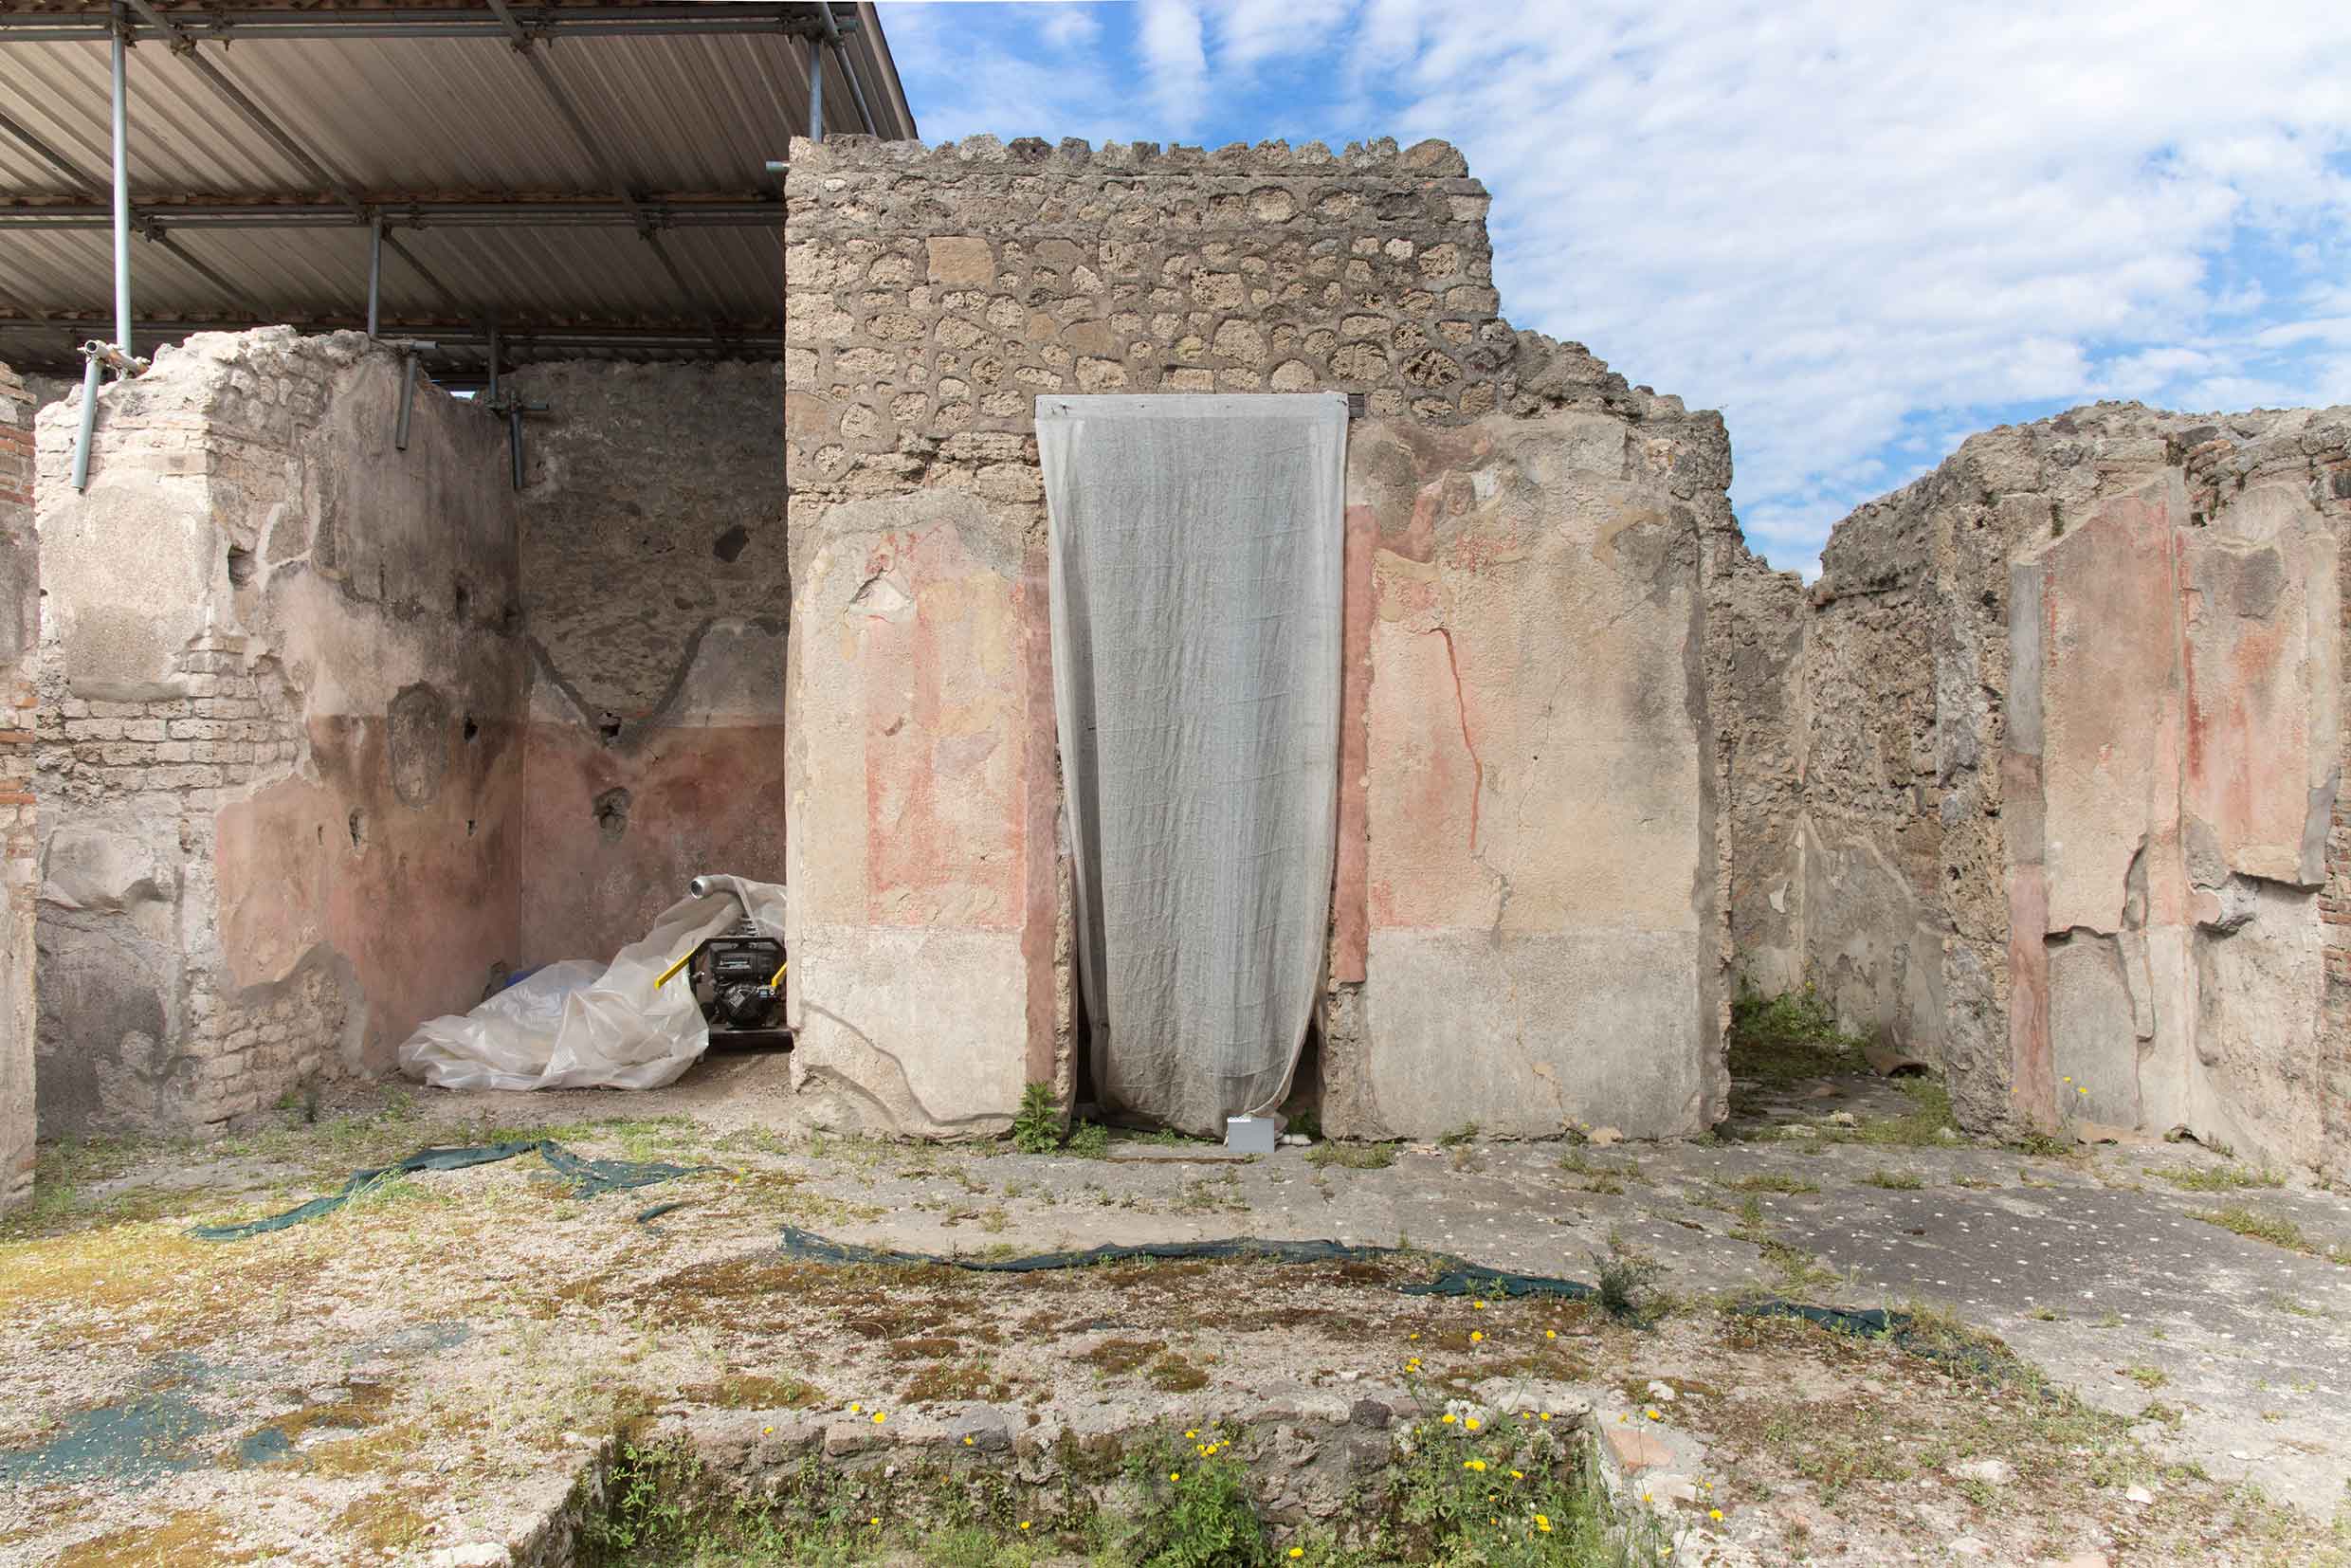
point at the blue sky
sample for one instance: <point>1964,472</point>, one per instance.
<point>1862,231</point>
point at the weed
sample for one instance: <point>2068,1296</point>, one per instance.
<point>1037,1126</point>
<point>2147,1377</point>
<point>1088,1141</point>
<point>1508,1497</point>
<point>1898,1181</point>
<point>1628,1277</point>
<point>1463,1134</point>
<point>1198,1511</point>
<point>1926,1124</point>
<point>1351,1157</point>
<point>2046,1315</point>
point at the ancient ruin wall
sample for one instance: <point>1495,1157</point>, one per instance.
<point>2048,698</point>
<point>20,612</point>
<point>933,295</point>
<point>281,679</point>
<point>655,596</point>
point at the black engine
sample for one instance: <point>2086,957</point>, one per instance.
<point>739,980</point>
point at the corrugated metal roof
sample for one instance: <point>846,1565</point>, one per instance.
<point>402,118</point>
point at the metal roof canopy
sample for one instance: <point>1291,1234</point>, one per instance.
<point>564,180</point>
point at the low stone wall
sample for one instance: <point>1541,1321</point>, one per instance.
<point>281,688</point>
<point>20,619</point>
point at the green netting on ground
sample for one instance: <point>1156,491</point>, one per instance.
<point>1457,1276</point>
<point>584,1177</point>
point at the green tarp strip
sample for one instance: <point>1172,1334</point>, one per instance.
<point>1458,1277</point>
<point>586,1178</point>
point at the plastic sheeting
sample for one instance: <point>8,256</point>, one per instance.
<point>1197,547</point>
<point>579,1024</point>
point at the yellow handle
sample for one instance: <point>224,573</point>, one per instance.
<point>672,970</point>
<point>771,979</point>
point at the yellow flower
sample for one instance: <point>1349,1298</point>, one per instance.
<point>1470,1425</point>
<point>1645,1498</point>
<point>764,1431</point>
<point>1476,1334</point>
<point>1544,1416</point>
<point>877,1418</point>
<point>857,1410</point>
<point>1479,1305</point>
<point>1450,1417</point>
<point>1175,1475</point>
<point>1192,1434</point>
<point>1473,1464</point>
<point>1714,1513</point>
<point>875,1520</point>
<point>1024,1524</point>
<point>1651,1414</point>
<point>1413,1335</point>
<point>967,1442</point>
<point>1551,1333</point>
<point>1517,1475</point>
<point>1297,1551</point>
<point>1542,1523</point>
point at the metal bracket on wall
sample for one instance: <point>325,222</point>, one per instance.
<point>514,408</point>
<point>410,349</point>
<point>100,356</point>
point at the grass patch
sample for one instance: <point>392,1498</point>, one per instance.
<point>1466,1133</point>
<point>1894,1181</point>
<point>1773,1181</point>
<point>1351,1157</point>
<point>2274,1229</point>
<point>2216,1178</point>
<point>1927,1125</point>
<point>1782,1040</point>
<point>2147,1377</point>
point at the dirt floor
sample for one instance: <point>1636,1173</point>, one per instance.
<point>2128,1354</point>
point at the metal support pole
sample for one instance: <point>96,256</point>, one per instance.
<point>514,441</point>
<point>375,271</point>
<point>89,424</point>
<point>848,69</point>
<point>494,360</point>
<point>816,89</point>
<point>122,186</point>
<point>408,400</point>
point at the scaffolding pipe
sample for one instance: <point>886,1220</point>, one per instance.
<point>816,88</point>
<point>375,271</point>
<point>493,357</point>
<point>481,212</point>
<point>122,186</point>
<point>408,400</point>
<point>89,424</point>
<point>848,70</point>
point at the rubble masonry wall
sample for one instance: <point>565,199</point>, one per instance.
<point>1529,778</point>
<point>2067,721</point>
<point>282,677</point>
<point>655,596</point>
<point>20,612</point>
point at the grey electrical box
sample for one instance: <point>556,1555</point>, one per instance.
<point>1251,1135</point>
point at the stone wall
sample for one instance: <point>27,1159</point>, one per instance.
<point>20,619</point>
<point>655,594</point>
<point>2066,716</point>
<point>1511,505</point>
<point>282,681</point>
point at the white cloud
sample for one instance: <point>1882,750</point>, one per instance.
<point>1861,231</point>
<point>1175,60</point>
<point>1828,220</point>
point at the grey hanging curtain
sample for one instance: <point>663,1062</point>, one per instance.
<point>1197,546</point>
